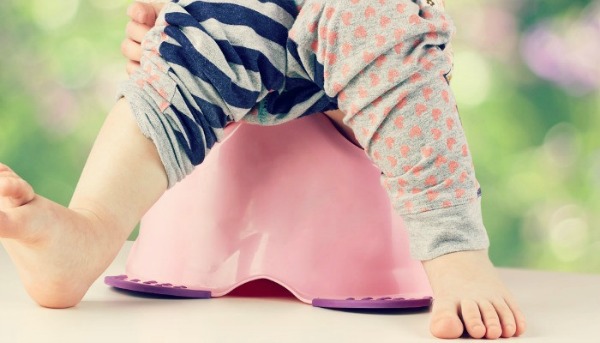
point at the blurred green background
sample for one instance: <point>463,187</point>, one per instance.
<point>527,80</point>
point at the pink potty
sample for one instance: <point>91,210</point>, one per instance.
<point>296,204</point>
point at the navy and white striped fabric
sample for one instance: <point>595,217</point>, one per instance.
<point>210,62</point>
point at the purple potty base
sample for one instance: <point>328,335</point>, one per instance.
<point>154,287</point>
<point>180,291</point>
<point>374,303</point>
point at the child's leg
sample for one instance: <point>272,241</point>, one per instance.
<point>384,63</point>
<point>201,69</point>
<point>59,251</point>
<point>206,63</point>
<point>457,280</point>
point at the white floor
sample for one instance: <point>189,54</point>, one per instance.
<point>561,307</point>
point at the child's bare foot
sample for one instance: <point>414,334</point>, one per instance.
<point>470,296</point>
<point>58,251</point>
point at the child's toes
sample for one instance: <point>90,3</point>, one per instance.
<point>445,322</point>
<point>490,320</point>
<point>519,317</point>
<point>14,191</point>
<point>7,226</point>
<point>472,318</point>
<point>507,319</point>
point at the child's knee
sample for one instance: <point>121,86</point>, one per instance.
<point>342,39</point>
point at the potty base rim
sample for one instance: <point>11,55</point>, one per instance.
<point>395,301</point>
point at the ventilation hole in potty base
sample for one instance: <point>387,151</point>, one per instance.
<point>153,287</point>
<point>370,303</point>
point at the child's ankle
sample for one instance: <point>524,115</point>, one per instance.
<point>100,223</point>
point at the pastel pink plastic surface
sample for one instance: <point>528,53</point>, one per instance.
<point>296,204</point>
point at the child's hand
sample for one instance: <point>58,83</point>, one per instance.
<point>142,18</point>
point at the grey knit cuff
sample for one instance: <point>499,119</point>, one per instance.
<point>155,126</point>
<point>446,230</point>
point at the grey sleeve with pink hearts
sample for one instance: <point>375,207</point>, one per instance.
<point>386,64</point>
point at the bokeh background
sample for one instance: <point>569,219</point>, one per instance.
<point>527,80</point>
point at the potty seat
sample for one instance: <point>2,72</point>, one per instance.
<point>296,204</point>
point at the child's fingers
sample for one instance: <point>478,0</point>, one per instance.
<point>142,13</point>
<point>131,50</point>
<point>136,31</point>
<point>132,67</point>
